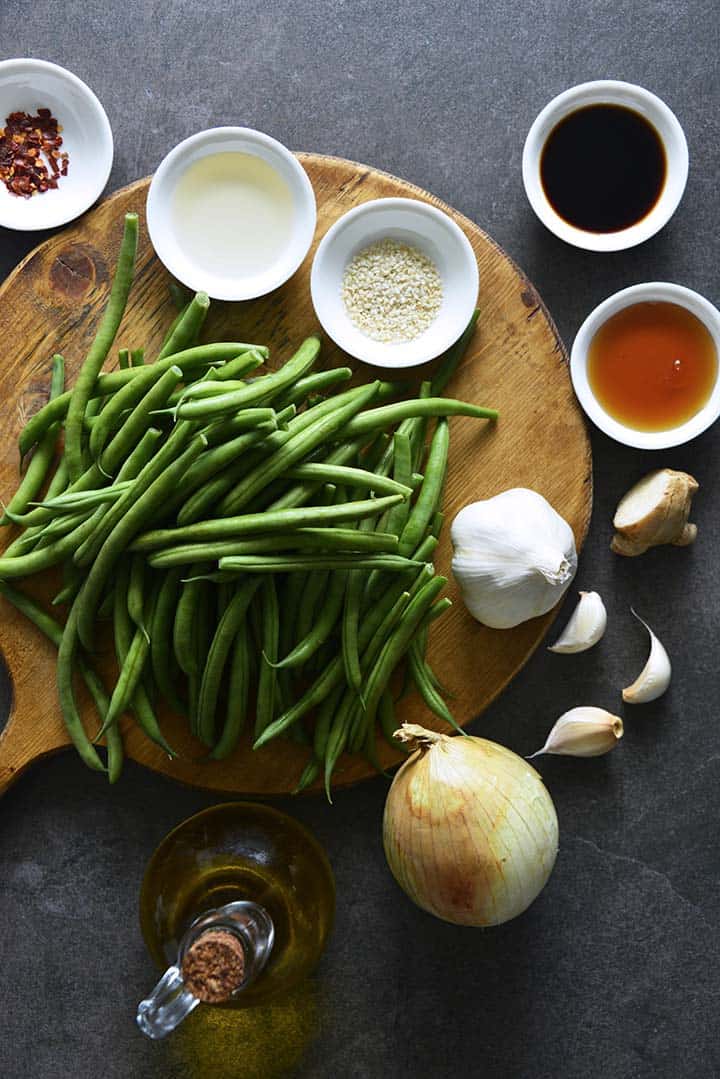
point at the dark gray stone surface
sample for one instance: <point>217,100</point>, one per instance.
<point>614,972</point>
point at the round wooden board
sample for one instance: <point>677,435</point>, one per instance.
<point>516,363</point>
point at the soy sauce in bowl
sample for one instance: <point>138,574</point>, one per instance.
<point>603,168</point>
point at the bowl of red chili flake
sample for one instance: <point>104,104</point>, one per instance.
<point>56,146</point>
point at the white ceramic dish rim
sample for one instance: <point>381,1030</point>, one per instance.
<point>653,292</point>
<point>102,157</point>
<point>247,140</point>
<point>450,321</point>
<point>662,118</point>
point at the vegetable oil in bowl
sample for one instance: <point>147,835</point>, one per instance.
<point>233,214</point>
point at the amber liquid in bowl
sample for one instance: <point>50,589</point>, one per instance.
<point>652,366</point>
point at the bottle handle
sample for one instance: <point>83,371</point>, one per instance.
<point>167,1006</point>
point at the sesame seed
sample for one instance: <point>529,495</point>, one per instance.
<point>391,291</point>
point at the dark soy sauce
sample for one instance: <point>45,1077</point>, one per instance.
<point>603,168</point>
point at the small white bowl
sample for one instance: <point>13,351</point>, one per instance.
<point>161,219</point>
<point>419,225</point>
<point>29,85</point>
<point>651,292</point>
<point>657,113</point>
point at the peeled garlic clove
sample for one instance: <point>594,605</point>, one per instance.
<point>586,626</point>
<point>583,732</point>
<point>655,676</point>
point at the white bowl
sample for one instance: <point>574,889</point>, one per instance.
<point>162,225</point>
<point>651,292</point>
<point>26,86</point>
<point>417,224</point>
<point>657,113</point>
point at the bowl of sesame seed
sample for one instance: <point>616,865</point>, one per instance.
<point>394,282</point>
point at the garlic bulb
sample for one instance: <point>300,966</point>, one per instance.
<point>469,830</point>
<point>586,626</point>
<point>583,732</point>
<point>514,557</point>
<point>655,676</point>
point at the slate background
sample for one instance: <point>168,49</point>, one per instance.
<point>615,971</point>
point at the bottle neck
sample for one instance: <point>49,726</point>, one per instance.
<point>221,954</point>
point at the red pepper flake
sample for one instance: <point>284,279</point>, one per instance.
<point>30,155</point>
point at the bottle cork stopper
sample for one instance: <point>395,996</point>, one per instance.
<point>214,966</point>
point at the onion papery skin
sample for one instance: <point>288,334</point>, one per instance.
<point>470,831</point>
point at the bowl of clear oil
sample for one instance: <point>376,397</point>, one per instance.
<point>231,212</point>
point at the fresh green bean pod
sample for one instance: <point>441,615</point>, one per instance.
<point>37,470</point>
<point>185,332</point>
<point>267,679</point>
<point>261,523</point>
<point>430,493</point>
<point>100,347</point>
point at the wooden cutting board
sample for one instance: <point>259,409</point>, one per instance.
<point>516,363</point>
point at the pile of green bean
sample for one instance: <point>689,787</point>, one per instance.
<point>257,544</point>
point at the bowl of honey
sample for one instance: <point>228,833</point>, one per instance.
<point>644,365</point>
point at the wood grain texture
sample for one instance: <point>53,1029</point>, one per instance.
<point>516,363</point>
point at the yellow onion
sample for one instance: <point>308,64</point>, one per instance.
<point>470,831</point>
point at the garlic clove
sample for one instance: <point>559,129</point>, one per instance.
<point>583,732</point>
<point>655,676</point>
<point>586,626</point>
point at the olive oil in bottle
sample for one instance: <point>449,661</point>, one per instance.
<point>239,901</point>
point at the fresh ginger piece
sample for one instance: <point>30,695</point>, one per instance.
<point>655,511</point>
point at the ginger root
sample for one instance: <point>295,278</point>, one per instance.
<point>655,511</point>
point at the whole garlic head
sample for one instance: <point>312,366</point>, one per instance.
<point>514,557</point>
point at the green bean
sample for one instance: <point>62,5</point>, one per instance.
<point>77,502</point>
<point>128,680</point>
<point>260,523</point>
<point>322,626</point>
<point>298,446</point>
<point>321,472</point>
<point>54,632</point>
<point>237,696</point>
<point>253,357</point>
<point>216,459</point>
<point>180,295</point>
<point>162,658</point>
<point>183,627</point>
<point>261,389</point>
<point>396,518</point>
<point>448,365</point>
<point>136,424</point>
<point>250,419</point>
<point>320,380</point>
<point>388,723</point>
<point>289,563</point>
<point>386,415</point>
<point>398,644</point>
<point>73,723</point>
<point>124,359</point>
<point>136,593</point>
<point>123,632</point>
<point>315,587</point>
<point>24,565</point>
<point>164,459</point>
<point>146,504</point>
<point>224,639</point>
<point>137,357</point>
<point>114,381</point>
<point>416,430</point>
<point>100,347</point>
<point>267,680</point>
<point>331,677</point>
<point>426,689</point>
<point>184,334</point>
<point>72,580</point>
<point>38,468</point>
<point>374,545</point>
<point>212,491</point>
<point>308,776</point>
<point>430,493</point>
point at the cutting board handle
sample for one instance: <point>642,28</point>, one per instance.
<point>19,747</point>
